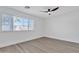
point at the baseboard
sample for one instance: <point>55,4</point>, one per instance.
<point>5,44</point>
<point>63,39</point>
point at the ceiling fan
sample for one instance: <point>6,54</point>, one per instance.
<point>50,10</point>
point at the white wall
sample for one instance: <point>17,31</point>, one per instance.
<point>9,38</point>
<point>64,27</point>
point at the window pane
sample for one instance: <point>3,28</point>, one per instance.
<point>20,24</point>
<point>7,22</point>
<point>31,24</point>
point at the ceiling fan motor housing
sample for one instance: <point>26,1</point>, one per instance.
<point>48,9</point>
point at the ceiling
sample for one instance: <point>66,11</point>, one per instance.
<point>35,10</point>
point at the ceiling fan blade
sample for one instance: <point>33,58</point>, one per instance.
<point>55,9</point>
<point>44,11</point>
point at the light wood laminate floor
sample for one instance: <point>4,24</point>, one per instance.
<point>42,45</point>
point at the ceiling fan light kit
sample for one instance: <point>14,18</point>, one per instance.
<point>27,7</point>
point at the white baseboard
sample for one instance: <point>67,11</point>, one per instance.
<point>64,39</point>
<point>5,44</point>
<point>9,43</point>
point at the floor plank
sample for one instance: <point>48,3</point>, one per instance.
<point>30,48</point>
<point>10,49</point>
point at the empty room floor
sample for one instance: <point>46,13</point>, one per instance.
<point>42,45</point>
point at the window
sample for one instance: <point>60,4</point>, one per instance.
<point>14,23</point>
<point>20,24</point>
<point>7,23</point>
